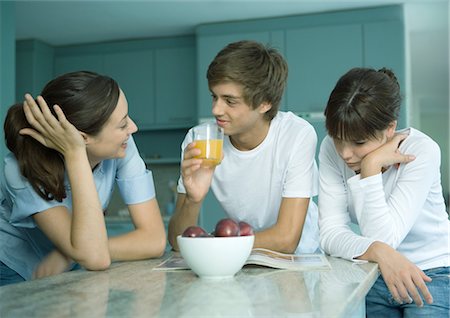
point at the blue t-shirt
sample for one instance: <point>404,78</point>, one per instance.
<point>22,244</point>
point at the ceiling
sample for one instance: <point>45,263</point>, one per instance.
<point>70,22</point>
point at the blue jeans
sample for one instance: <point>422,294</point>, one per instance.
<point>380,303</point>
<point>8,276</point>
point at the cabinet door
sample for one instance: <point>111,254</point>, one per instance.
<point>24,74</point>
<point>317,57</point>
<point>34,67</point>
<point>207,48</point>
<point>134,72</point>
<point>81,62</point>
<point>384,46</point>
<point>175,87</point>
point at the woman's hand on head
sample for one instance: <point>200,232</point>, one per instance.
<point>53,132</point>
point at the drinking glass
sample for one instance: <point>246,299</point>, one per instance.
<point>208,137</point>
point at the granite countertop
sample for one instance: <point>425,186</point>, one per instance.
<point>133,289</point>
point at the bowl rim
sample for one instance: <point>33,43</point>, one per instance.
<point>213,237</point>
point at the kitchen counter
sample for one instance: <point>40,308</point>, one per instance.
<point>133,289</point>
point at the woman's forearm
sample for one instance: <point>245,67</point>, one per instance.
<point>88,235</point>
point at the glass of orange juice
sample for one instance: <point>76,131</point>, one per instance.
<point>208,137</point>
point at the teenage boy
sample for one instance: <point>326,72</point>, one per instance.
<point>268,174</point>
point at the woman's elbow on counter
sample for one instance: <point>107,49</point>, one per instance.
<point>96,263</point>
<point>160,247</point>
<point>153,246</point>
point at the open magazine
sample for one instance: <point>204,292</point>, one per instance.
<point>262,257</point>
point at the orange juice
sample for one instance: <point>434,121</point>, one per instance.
<point>211,151</point>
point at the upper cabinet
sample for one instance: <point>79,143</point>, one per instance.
<point>157,76</point>
<point>134,71</point>
<point>317,57</point>
<point>164,79</point>
<point>175,86</point>
<point>34,67</point>
<point>319,48</point>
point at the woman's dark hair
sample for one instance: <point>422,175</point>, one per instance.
<point>362,104</point>
<point>261,70</point>
<point>87,100</point>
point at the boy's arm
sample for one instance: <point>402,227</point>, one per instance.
<point>285,234</point>
<point>196,180</point>
<point>186,214</point>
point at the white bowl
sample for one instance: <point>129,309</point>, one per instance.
<point>215,257</point>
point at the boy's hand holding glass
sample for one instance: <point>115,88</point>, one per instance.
<point>208,137</point>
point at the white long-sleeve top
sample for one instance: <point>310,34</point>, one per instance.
<point>402,207</point>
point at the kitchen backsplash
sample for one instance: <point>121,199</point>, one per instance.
<point>165,177</point>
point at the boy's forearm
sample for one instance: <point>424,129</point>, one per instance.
<point>186,214</point>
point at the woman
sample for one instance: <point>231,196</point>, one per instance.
<point>387,182</point>
<point>59,177</point>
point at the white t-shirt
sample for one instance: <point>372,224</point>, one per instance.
<point>402,207</point>
<point>251,184</point>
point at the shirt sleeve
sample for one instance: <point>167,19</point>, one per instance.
<point>302,174</point>
<point>134,181</point>
<point>336,236</point>
<point>24,201</point>
<point>389,217</point>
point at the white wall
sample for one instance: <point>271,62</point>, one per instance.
<point>427,27</point>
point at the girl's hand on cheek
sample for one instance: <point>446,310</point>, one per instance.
<point>385,156</point>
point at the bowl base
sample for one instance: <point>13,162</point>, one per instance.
<point>217,277</point>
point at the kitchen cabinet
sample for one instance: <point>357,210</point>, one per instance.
<point>134,72</point>
<point>384,46</point>
<point>81,62</point>
<point>175,86</point>
<point>317,57</point>
<point>319,48</point>
<point>34,67</point>
<point>157,75</point>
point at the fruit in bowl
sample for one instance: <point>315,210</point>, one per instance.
<point>195,231</point>
<point>218,256</point>
<point>226,227</point>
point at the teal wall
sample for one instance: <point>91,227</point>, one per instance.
<point>7,63</point>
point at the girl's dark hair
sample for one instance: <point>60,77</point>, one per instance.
<point>362,104</point>
<point>87,100</point>
<point>261,70</point>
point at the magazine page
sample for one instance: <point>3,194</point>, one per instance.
<point>262,257</point>
<point>174,262</point>
<point>265,257</point>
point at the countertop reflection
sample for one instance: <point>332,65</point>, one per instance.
<point>133,289</point>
